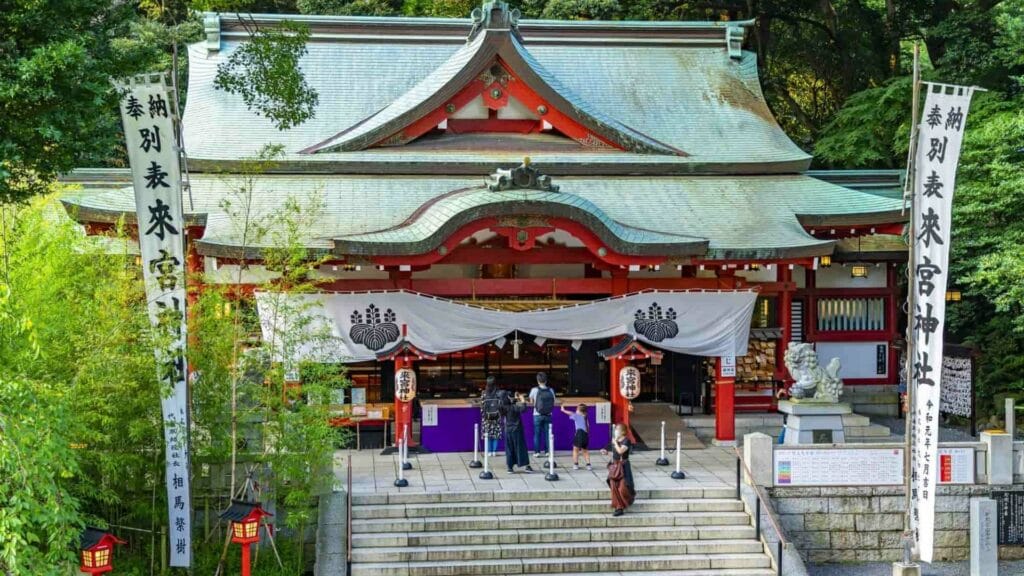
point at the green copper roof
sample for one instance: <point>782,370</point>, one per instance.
<point>680,86</point>
<point>739,216</point>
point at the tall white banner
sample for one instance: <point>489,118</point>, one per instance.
<point>940,134</point>
<point>148,118</point>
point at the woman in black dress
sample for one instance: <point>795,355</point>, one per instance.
<point>515,437</point>
<point>620,482</point>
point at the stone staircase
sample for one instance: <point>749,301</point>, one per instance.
<point>686,532</point>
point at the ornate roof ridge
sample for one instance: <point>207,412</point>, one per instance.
<point>453,30</point>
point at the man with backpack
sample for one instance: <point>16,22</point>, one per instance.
<point>543,399</point>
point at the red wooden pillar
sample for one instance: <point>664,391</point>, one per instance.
<point>891,321</point>
<point>246,548</point>
<point>725,405</point>
<point>403,410</point>
<point>784,275</point>
<point>620,404</point>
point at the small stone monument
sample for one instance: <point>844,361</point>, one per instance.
<point>984,539</point>
<point>814,415</point>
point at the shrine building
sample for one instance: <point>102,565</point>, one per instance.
<point>519,165</point>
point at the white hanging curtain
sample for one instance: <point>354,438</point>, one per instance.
<point>360,324</point>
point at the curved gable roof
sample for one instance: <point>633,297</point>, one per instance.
<point>494,38</point>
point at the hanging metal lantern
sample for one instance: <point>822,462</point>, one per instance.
<point>629,382</point>
<point>405,384</point>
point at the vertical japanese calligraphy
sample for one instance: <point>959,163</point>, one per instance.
<point>148,118</point>
<point>938,152</point>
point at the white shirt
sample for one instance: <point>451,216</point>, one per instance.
<point>533,398</point>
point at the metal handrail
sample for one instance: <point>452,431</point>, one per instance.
<point>348,516</point>
<point>761,496</point>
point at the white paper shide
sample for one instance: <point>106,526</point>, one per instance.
<point>148,118</point>
<point>940,134</point>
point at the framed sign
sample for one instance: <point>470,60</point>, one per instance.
<point>728,367</point>
<point>956,394</point>
<point>839,467</point>
<point>1010,516</point>
<point>358,396</point>
<point>956,465</point>
<point>863,467</point>
<point>603,412</point>
<point>428,416</point>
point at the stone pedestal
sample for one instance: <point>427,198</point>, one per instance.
<point>814,422</point>
<point>984,545</point>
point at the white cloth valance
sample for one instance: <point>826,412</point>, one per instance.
<point>361,324</point>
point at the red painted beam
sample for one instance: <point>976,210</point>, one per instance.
<point>538,255</point>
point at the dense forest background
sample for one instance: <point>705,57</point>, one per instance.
<point>79,430</point>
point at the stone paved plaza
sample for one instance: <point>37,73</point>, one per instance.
<point>712,467</point>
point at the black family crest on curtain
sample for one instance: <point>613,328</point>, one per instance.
<point>656,324</point>
<point>376,330</point>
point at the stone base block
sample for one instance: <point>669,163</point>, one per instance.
<point>901,569</point>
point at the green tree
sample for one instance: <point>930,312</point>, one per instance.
<point>57,107</point>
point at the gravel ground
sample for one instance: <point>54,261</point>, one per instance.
<point>1006,568</point>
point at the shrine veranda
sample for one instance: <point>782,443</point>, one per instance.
<point>520,166</point>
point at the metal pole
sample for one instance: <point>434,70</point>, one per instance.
<point>406,465</point>
<point>678,474</point>
<point>780,557</point>
<point>486,474</point>
<point>757,517</point>
<point>662,461</point>
<point>738,464</point>
<point>551,475</point>
<point>475,462</point>
<point>163,549</point>
<point>401,482</point>
<point>908,367</point>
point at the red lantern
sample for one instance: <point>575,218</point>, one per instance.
<point>98,551</point>
<point>244,518</point>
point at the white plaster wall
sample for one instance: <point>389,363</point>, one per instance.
<point>857,359</point>
<point>838,276</point>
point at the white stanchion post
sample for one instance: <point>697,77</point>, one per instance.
<point>678,474</point>
<point>486,474</point>
<point>551,475</point>
<point>406,465</point>
<point>662,461</point>
<point>401,482</point>
<point>475,462</point>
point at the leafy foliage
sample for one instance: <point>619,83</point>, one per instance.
<point>265,72</point>
<point>57,108</point>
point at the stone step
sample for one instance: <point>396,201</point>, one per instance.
<point>709,563</point>
<point>709,572</point>
<point>553,550</point>
<point>870,431</point>
<point>548,521</point>
<point>548,507</point>
<point>536,496</point>
<point>614,534</point>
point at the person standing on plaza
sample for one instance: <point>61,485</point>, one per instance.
<point>620,474</point>
<point>490,415</point>
<point>581,437</point>
<point>543,399</point>
<point>516,453</point>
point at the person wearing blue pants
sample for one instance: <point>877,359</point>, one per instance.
<point>543,399</point>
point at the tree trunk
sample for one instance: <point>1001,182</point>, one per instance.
<point>893,33</point>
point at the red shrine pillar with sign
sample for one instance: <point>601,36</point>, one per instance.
<point>403,410</point>
<point>620,404</point>
<point>725,401</point>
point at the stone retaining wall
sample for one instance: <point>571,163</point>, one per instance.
<point>831,524</point>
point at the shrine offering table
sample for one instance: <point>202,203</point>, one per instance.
<point>447,425</point>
